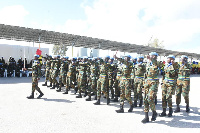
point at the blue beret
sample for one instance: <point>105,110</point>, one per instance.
<point>139,57</point>
<point>128,56</point>
<point>66,57</point>
<point>36,55</point>
<point>112,58</point>
<point>171,56</point>
<point>153,53</point>
<point>184,56</point>
<point>107,56</point>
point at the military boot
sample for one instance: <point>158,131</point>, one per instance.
<point>59,90</point>
<point>131,108</point>
<point>141,102</point>
<point>50,85</point>
<point>97,102</point>
<point>86,93</point>
<point>115,99</point>
<point>108,101</point>
<point>45,83</point>
<point>187,108</point>
<point>146,119</point>
<point>170,112</point>
<point>53,86</point>
<point>163,113</point>
<point>95,98</point>
<point>135,104</point>
<point>89,98</point>
<point>76,89</point>
<point>41,94</point>
<point>79,96</point>
<point>112,97</point>
<point>154,116</point>
<point>177,109</point>
<point>121,110</point>
<point>31,96</point>
<point>66,91</point>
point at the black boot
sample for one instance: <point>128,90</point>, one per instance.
<point>76,89</point>
<point>115,99</point>
<point>135,104</point>
<point>86,93</point>
<point>98,102</point>
<point>88,99</point>
<point>154,116</point>
<point>53,87</point>
<point>121,110</point>
<point>31,96</point>
<point>66,91</point>
<point>79,96</point>
<point>131,108</point>
<point>59,90</point>
<point>146,119</point>
<point>45,83</point>
<point>170,112</point>
<point>177,109</point>
<point>187,108</point>
<point>112,97</point>
<point>108,101</point>
<point>95,98</point>
<point>141,102</point>
<point>163,113</point>
<point>50,85</point>
<point>41,94</point>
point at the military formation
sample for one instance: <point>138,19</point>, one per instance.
<point>115,79</point>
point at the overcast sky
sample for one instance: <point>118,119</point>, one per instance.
<point>175,22</point>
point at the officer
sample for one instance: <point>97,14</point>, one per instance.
<point>63,72</point>
<point>47,71</point>
<point>183,83</point>
<point>139,71</point>
<point>102,83</point>
<point>169,84</point>
<point>126,69</point>
<point>36,74</point>
<point>150,86</point>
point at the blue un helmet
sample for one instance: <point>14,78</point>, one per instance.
<point>171,56</point>
<point>184,56</point>
<point>153,53</point>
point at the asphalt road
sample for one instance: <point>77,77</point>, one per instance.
<point>58,113</point>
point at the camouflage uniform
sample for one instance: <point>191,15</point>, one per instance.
<point>47,71</point>
<point>111,69</point>
<point>117,80</point>
<point>183,85</point>
<point>36,73</point>
<point>139,70</point>
<point>55,72</point>
<point>70,76</point>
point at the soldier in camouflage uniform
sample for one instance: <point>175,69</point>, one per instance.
<point>82,78</point>
<point>51,71</point>
<point>47,70</point>
<point>102,83</point>
<point>125,83</point>
<point>36,74</point>
<point>63,72</point>
<point>111,70</point>
<point>92,83</point>
<point>169,84</point>
<point>139,70</point>
<point>150,86</point>
<point>183,83</point>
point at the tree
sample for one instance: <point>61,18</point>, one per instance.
<point>59,49</point>
<point>155,43</point>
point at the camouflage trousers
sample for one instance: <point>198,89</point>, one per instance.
<point>47,72</point>
<point>62,78</point>
<point>125,91</point>
<point>168,89</point>
<point>183,87</point>
<point>54,76</point>
<point>92,84</point>
<point>102,86</point>
<point>117,87</point>
<point>82,83</point>
<point>138,84</point>
<point>150,87</point>
<point>110,85</point>
<point>35,84</point>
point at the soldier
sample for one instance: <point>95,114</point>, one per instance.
<point>82,78</point>
<point>102,83</point>
<point>56,66</point>
<point>47,71</point>
<point>36,74</point>
<point>125,83</point>
<point>139,70</point>
<point>63,72</point>
<point>111,70</point>
<point>183,83</point>
<point>169,84</point>
<point>150,86</point>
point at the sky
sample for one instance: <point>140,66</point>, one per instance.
<point>176,23</point>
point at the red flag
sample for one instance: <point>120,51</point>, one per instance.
<point>38,52</point>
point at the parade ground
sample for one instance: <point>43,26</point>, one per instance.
<point>59,113</point>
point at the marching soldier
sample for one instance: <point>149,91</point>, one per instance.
<point>169,84</point>
<point>183,83</point>
<point>125,83</point>
<point>150,86</point>
<point>139,70</point>
<point>47,71</point>
<point>36,74</point>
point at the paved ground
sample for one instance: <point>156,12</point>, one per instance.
<point>60,113</point>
